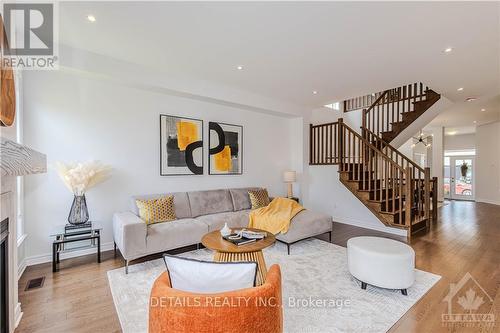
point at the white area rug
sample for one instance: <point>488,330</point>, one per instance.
<point>315,269</point>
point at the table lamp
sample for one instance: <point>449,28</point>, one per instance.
<point>289,177</point>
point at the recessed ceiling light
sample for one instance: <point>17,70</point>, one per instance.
<point>448,50</point>
<point>452,133</point>
<point>239,67</point>
<point>315,92</point>
<point>471,99</point>
<point>475,122</point>
<point>460,89</point>
<point>91,18</point>
<point>482,110</point>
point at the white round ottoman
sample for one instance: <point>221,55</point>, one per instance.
<point>381,262</point>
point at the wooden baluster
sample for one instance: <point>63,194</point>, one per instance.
<point>403,103</point>
<point>386,183</point>
<point>400,194</point>
<point>316,144</point>
<point>363,161</point>
<point>341,144</point>
<point>382,125</point>
<point>409,98</point>
<point>434,198</point>
<point>427,195</point>
<point>330,140</point>
<point>370,168</point>
<point>336,146</point>
<point>408,198</point>
<point>310,144</point>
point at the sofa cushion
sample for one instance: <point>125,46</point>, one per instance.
<point>156,210</point>
<point>166,236</point>
<point>240,197</point>
<point>233,219</point>
<point>181,203</point>
<point>259,198</point>
<point>209,202</point>
<point>306,224</point>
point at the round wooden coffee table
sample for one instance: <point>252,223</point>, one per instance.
<point>228,252</point>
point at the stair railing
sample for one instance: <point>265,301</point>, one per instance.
<point>376,174</point>
<point>425,192</point>
<point>383,178</point>
<point>390,107</point>
<point>323,145</point>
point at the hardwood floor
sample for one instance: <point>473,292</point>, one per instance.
<point>466,238</point>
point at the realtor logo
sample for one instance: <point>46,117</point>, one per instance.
<point>469,305</point>
<point>29,35</point>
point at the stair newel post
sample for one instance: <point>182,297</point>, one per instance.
<point>310,143</point>
<point>408,198</point>
<point>340,140</point>
<point>427,195</point>
<point>363,125</point>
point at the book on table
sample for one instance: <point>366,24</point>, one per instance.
<point>239,241</point>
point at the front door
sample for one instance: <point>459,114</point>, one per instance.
<point>459,177</point>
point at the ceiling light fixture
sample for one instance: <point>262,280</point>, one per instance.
<point>482,110</point>
<point>460,89</point>
<point>448,50</point>
<point>421,139</point>
<point>471,99</point>
<point>475,122</point>
<point>91,18</point>
<point>452,133</point>
<point>315,92</point>
<point>240,68</point>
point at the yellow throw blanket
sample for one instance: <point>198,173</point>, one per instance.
<point>276,216</point>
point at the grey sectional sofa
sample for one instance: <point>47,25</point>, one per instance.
<point>198,213</point>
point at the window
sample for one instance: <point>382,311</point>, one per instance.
<point>334,106</point>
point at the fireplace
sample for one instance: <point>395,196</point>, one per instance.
<point>4,277</point>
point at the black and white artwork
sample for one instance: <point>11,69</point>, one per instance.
<point>225,149</point>
<point>181,146</point>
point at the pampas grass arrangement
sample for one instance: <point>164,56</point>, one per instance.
<point>81,176</point>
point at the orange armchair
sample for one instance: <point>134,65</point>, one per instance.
<point>257,309</point>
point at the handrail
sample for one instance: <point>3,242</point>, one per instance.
<point>370,145</point>
<point>401,187</point>
<point>377,101</point>
<point>388,145</point>
<point>391,106</point>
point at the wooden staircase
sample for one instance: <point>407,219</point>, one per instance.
<point>396,190</point>
<point>395,109</point>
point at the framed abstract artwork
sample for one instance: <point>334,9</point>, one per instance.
<point>181,146</point>
<point>225,143</point>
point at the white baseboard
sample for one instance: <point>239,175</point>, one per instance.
<point>44,258</point>
<point>493,202</point>
<point>18,314</point>
<point>363,224</point>
<point>21,268</point>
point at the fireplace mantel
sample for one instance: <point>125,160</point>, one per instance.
<point>19,160</point>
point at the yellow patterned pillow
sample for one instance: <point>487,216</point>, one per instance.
<point>259,198</point>
<point>156,210</point>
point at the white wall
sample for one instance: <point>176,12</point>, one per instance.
<point>436,160</point>
<point>71,117</point>
<point>488,163</point>
<point>459,142</point>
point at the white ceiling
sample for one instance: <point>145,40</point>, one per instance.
<point>340,49</point>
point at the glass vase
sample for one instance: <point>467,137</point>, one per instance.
<point>78,213</point>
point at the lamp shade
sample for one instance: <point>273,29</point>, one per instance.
<point>289,176</point>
